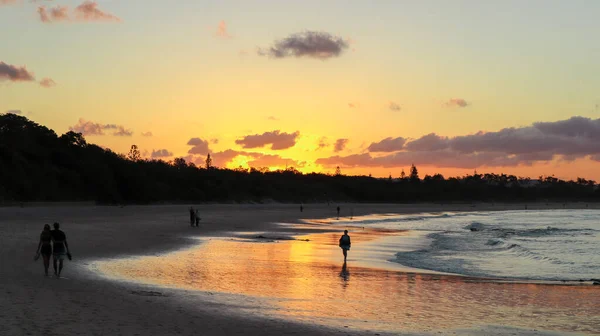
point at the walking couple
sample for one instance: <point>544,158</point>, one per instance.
<point>53,242</point>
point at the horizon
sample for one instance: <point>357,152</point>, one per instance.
<point>451,87</point>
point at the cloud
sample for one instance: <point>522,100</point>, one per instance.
<point>8,2</point>
<point>121,131</point>
<point>199,146</point>
<point>15,73</point>
<point>429,142</point>
<point>272,118</point>
<point>394,107</point>
<point>570,139</point>
<point>161,153</point>
<point>276,139</point>
<point>388,145</point>
<point>267,160</point>
<point>88,11</point>
<point>353,105</point>
<point>222,30</point>
<point>456,102</point>
<point>55,14</point>
<point>323,143</point>
<point>340,145</point>
<point>214,141</point>
<point>319,45</point>
<point>147,134</point>
<point>87,127</point>
<point>14,112</point>
<point>47,82</point>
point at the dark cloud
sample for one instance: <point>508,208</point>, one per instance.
<point>456,102</point>
<point>429,142</point>
<point>320,45</point>
<point>340,145</point>
<point>161,153</point>
<point>87,127</point>
<point>394,107</point>
<point>388,145</point>
<point>199,146</point>
<point>566,140</point>
<point>147,134</point>
<point>89,11</point>
<point>47,82</point>
<point>15,73</point>
<point>276,139</point>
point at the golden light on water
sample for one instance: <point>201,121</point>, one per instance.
<point>306,280</point>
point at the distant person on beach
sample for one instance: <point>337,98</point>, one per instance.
<point>45,247</point>
<point>338,212</point>
<point>301,208</point>
<point>197,218</point>
<point>345,244</point>
<point>60,249</point>
<point>192,216</point>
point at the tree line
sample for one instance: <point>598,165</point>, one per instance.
<point>38,165</point>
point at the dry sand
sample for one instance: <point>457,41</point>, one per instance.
<point>85,304</point>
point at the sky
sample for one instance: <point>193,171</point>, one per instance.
<point>370,86</point>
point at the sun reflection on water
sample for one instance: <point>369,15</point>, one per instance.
<point>303,282</point>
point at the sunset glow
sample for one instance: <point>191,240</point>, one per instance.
<point>452,87</point>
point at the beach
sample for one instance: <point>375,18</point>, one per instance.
<point>232,293</point>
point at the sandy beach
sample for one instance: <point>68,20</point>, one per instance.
<point>84,302</point>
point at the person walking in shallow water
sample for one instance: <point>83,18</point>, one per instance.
<point>338,212</point>
<point>45,247</point>
<point>345,244</point>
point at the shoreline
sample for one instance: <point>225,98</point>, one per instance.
<point>97,232</point>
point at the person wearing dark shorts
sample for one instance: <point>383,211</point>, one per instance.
<point>345,244</point>
<point>60,249</point>
<point>45,247</point>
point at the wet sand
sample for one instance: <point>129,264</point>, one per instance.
<point>240,287</point>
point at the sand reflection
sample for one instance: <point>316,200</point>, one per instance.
<point>303,282</point>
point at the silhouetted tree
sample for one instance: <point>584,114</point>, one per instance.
<point>403,174</point>
<point>134,153</point>
<point>414,174</point>
<point>208,161</point>
<point>338,171</point>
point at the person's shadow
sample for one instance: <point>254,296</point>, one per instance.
<point>345,275</point>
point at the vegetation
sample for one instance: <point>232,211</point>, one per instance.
<point>38,165</point>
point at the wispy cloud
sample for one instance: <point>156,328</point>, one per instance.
<point>394,106</point>
<point>278,140</point>
<point>323,143</point>
<point>89,128</point>
<point>14,112</point>
<point>89,11</point>
<point>161,153</point>
<point>272,118</point>
<point>222,31</point>
<point>312,44</point>
<point>8,2</point>
<point>54,14</point>
<point>147,134</point>
<point>47,82</point>
<point>353,105</point>
<point>456,102</point>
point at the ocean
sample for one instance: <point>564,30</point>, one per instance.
<point>535,245</point>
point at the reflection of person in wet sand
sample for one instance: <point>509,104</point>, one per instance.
<point>345,244</point>
<point>344,274</point>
